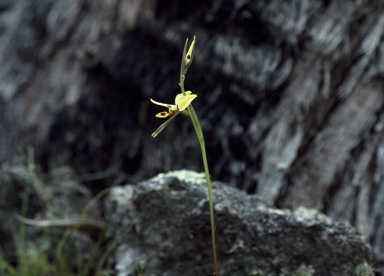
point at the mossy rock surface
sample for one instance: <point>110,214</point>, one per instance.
<point>169,232</point>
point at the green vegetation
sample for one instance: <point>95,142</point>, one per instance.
<point>53,248</point>
<point>364,269</point>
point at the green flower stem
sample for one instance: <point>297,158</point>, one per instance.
<point>199,132</point>
<point>200,136</point>
<point>183,105</point>
<point>185,63</point>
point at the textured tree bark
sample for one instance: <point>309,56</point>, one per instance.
<point>290,95</point>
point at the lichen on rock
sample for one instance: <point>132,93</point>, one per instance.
<point>169,224</point>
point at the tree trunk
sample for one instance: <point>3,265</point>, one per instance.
<point>290,95</point>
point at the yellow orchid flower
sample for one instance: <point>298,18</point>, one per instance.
<point>187,59</point>
<point>182,101</point>
<point>189,55</point>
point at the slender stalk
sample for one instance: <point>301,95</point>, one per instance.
<point>200,136</point>
<point>199,132</point>
<point>185,63</point>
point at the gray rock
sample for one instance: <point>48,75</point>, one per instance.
<point>162,226</point>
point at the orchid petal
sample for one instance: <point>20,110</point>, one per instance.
<point>183,101</point>
<point>189,55</point>
<point>170,106</point>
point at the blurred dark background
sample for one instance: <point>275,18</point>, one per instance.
<point>290,96</point>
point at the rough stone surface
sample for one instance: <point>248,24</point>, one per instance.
<point>163,224</point>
